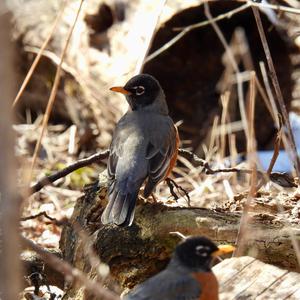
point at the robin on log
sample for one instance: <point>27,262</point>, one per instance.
<point>188,275</point>
<point>144,148</point>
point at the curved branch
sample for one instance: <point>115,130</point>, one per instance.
<point>71,168</point>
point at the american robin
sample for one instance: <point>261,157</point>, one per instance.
<point>143,149</point>
<point>188,275</point>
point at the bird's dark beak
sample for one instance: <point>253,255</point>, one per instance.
<point>223,249</point>
<point>120,89</point>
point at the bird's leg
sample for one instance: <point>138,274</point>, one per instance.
<point>171,184</point>
<point>154,198</point>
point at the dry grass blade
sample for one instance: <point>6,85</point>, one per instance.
<point>53,92</point>
<point>276,150</point>
<point>234,65</point>
<point>277,89</point>
<point>269,93</point>
<point>39,55</point>
<point>251,150</point>
<point>265,98</point>
<point>225,101</point>
<point>269,174</point>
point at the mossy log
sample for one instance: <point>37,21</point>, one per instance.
<point>137,252</point>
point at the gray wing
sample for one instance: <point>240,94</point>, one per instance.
<point>141,148</point>
<point>127,170</point>
<point>167,285</point>
<point>159,153</point>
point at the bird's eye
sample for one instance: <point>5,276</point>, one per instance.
<point>202,251</point>
<point>139,90</point>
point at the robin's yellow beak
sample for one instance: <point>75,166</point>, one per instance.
<point>223,249</point>
<point>120,89</point>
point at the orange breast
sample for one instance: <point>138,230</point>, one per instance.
<point>174,157</point>
<point>209,285</point>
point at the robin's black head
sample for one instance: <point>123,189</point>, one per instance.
<point>197,252</point>
<point>141,91</point>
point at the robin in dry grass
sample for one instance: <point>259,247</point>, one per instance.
<point>188,275</point>
<point>143,150</point>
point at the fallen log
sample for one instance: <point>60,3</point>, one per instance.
<point>137,252</point>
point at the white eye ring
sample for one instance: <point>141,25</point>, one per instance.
<point>139,90</point>
<point>199,247</point>
<point>200,251</point>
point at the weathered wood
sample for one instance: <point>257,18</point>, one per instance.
<point>248,278</point>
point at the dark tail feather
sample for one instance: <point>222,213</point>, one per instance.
<point>106,217</point>
<point>120,208</point>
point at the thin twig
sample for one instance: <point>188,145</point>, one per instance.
<point>293,3</point>
<point>282,179</point>
<point>69,169</point>
<point>276,7</point>
<point>47,180</point>
<point>179,234</point>
<point>70,273</point>
<point>187,29</point>
<point>44,214</point>
<point>53,92</point>
<point>279,180</point>
<point>39,55</point>
<point>291,140</point>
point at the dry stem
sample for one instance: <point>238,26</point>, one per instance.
<point>39,55</point>
<point>251,150</point>
<point>53,92</point>
<point>291,141</point>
